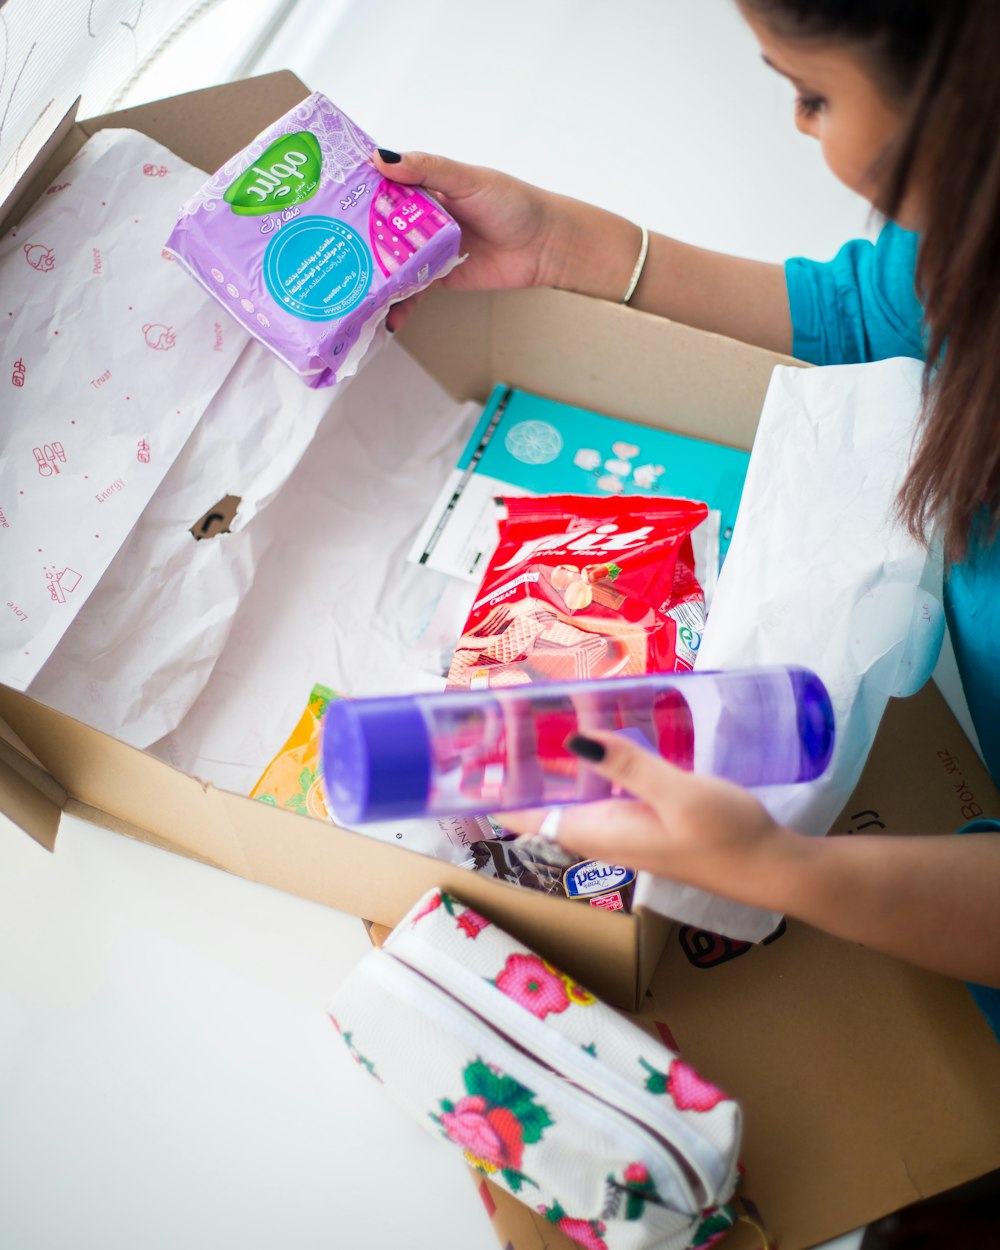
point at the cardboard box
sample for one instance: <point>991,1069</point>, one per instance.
<point>866,1083</point>
<point>466,343</point>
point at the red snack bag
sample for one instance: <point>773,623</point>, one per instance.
<point>585,587</point>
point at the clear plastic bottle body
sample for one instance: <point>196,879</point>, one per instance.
<point>469,751</point>
<point>509,752</point>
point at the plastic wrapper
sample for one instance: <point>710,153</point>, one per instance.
<point>822,575</point>
<point>303,241</point>
<point>583,587</point>
<point>294,778</point>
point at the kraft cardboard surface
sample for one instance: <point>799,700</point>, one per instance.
<point>866,1083</point>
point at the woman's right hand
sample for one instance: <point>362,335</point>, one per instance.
<point>507,225</point>
<point>694,829</point>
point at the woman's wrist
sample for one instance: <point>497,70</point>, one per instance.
<point>774,871</point>
<point>784,873</point>
<point>588,250</point>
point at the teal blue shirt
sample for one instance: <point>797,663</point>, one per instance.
<point>861,306</point>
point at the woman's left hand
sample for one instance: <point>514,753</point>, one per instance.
<point>694,829</point>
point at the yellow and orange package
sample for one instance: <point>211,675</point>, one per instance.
<point>293,779</point>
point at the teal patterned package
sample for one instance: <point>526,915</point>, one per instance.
<point>302,240</point>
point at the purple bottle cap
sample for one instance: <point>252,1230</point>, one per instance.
<point>376,760</point>
<point>816,723</point>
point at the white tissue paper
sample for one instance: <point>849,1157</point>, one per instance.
<point>142,648</point>
<point>114,356</point>
<point>819,574</point>
<point>334,598</point>
<point>134,620</point>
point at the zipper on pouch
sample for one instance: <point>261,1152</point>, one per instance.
<point>400,978</point>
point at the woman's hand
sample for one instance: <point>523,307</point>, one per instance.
<point>508,226</point>
<point>694,829</point>
<point>517,235</point>
<point>930,900</point>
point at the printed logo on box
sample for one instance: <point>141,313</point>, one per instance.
<point>287,173</point>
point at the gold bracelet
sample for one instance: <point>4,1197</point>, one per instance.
<point>633,282</point>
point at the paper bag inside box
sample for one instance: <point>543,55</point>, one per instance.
<point>844,1020</point>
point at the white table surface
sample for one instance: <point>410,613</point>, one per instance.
<point>169,1077</point>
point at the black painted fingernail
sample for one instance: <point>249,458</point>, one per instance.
<point>586,748</point>
<point>389,156</point>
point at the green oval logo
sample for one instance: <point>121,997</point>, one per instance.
<point>287,173</point>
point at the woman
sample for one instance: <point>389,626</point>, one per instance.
<point>904,99</point>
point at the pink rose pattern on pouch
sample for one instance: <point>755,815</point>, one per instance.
<point>493,1122</point>
<point>539,987</point>
<point>689,1091</point>
<point>534,984</point>
<point>492,1135</point>
<point>586,1233</point>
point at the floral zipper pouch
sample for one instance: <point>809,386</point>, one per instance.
<point>550,1093</point>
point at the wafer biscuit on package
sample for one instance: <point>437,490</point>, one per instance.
<point>582,587</point>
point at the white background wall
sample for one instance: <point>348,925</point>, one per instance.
<point>658,109</point>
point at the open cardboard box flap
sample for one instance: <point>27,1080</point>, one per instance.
<point>123,788</point>
<point>866,1083</point>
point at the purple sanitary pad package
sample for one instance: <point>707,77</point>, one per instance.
<point>307,245</point>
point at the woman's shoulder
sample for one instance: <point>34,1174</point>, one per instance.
<point>860,306</point>
<point>894,255</point>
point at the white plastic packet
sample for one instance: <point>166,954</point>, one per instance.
<point>819,574</point>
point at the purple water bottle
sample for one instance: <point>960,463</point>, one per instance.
<point>471,752</point>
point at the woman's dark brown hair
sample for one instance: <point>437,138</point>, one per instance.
<point>940,59</point>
